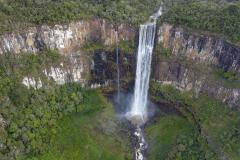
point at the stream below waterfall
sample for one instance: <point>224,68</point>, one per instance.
<point>138,140</point>
<point>141,144</point>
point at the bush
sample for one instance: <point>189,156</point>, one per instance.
<point>127,46</point>
<point>227,75</point>
<point>162,51</point>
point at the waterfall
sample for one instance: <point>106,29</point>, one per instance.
<point>118,70</point>
<point>138,112</point>
<point>146,42</point>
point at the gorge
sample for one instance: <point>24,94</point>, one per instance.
<point>198,49</point>
<point>94,89</point>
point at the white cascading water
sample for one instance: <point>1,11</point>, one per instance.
<point>138,113</point>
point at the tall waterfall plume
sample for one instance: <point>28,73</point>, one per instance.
<point>138,111</point>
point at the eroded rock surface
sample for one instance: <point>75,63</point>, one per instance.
<point>189,50</point>
<point>200,48</point>
<point>100,67</point>
<point>65,38</point>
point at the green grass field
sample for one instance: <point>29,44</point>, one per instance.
<point>163,135</point>
<point>217,126</point>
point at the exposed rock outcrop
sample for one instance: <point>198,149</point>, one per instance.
<point>201,50</point>
<point>67,39</point>
<point>186,78</point>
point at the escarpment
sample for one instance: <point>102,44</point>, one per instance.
<point>200,48</point>
<point>67,39</point>
<point>191,64</point>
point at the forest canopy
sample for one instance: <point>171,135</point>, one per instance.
<point>15,14</point>
<point>217,16</point>
<point>210,16</point>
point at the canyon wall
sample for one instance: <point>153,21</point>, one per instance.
<point>67,39</point>
<point>188,67</point>
<point>193,61</point>
<point>200,48</point>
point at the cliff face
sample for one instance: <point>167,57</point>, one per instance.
<point>189,67</point>
<point>200,49</point>
<point>187,78</point>
<point>67,39</point>
<point>193,60</point>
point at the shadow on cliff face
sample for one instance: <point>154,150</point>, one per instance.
<point>104,67</point>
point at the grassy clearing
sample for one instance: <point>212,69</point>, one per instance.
<point>219,125</point>
<point>89,135</point>
<point>163,135</point>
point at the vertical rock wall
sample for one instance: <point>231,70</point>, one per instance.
<point>67,39</point>
<point>193,60</point>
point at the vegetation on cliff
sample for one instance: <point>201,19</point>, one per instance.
<point>28,64</point>
<point>31,114</point>
<point>125,46</point>
<point>213,74</point>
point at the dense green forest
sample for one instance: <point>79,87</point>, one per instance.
<point>222,17</point>
<point>15,14</point>
<point>31,115</point>
<point>208,16</point>
<point>30,118</point>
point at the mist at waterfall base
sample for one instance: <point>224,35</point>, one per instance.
<point>138,112</point>
<point>122,102</point>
